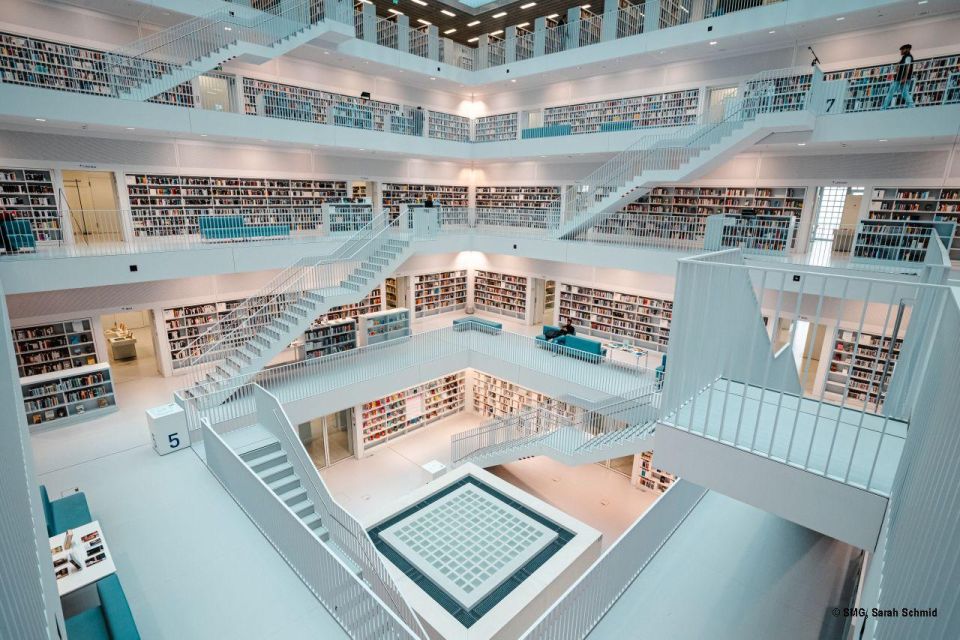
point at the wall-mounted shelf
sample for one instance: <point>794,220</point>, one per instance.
<point>372,302</point>
<point>448,126</point>
<point>441,292</point>
<point>503,126</point>
<point>500,293</point>
<point>672,109</point>
<point>333,337</point>
<point>68,396</point>
<point>54,346</point>
<point>860,367</point>
<point>651,477</point>
<point>394,194</point>
<point>529,207</point>
<point>384,325</point>
<point>933,83</point>
<point>496,398</point>
<point>638,320</point>
<point>898,240</point>
<point>398,414</point>
<point>930,204</point>
<point>767,234</point>
<point>29,194</point>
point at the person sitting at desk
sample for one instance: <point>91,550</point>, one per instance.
<point>568,329</point>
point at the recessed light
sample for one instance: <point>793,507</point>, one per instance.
<point>882,140</point>
<point>326,53</point>
<point>421,3</point>
<point>203,135</point>
<point>362,149</point>
<point>553,16</point>
<point>922,2</point>
<point>40,119</point>
<point>713,42</point>
<point>513,79</point>
<point>497,32</point>
<point>432,78</point>
<point>448,13</point>
<point>473,24</point>
<point>801,144</point>
<point>584,6</point>
<point>473,39</point>
<point>499,15</point>
<point>772,31</point>
<point>422,21</point>
<point>131,129</point>
<point>395,12</point>
<point>523,24</point>
<point>528,5</point>
<point>841,18</point>
<point>448,32</point>
<point>228,28</point>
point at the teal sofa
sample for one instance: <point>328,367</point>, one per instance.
<point>18,236</point>
<point>112,620</point>
<point>65,513</point>
<point>477,324</point>
<point>233,228</point>
<point>586,349</point>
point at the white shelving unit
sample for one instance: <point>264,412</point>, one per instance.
<point>54,346</point>
<point>861,365</point>
<point>73,395</point>
<point>635,319</point>
<point>29,193</point>
<point>671,109</point>
<point>394,194</point>
<point>324,339</point>
<point>868,86</point>
<point>436,293</point>
<point>770,234</point>
<point>290,102</point>
<point>400,413</point>
<point>496,398</point>
<point>650,477</point>
<point>448,126</point>
<point>927,204</point>
<point>371,303</point>
<point>169,205</point>
<point>500,293</point>
<point>503,126</point>
<point>384,325</point>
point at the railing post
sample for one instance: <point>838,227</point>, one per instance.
<point>651,20</point>
<point>449,51</point>
<point>369,22</point>
<point>611,18</point>
<point>403,34</point>
<point>539,37</point>
<point>573,27</point>
<point>510,44</point>
<point>483,51</point>
<point>433,42</point>
<point>698,10</point>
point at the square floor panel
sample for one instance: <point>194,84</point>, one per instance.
<point>468,542</point>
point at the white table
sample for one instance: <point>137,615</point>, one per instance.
<point>79,578</point>
<point>435,468</point>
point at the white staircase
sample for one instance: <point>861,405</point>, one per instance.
<point>755,113</point>
<point>265,324</point>
<point>614,429</point>
<point>161,61</point>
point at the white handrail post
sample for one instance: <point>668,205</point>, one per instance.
<point>510,44</point>
<point>433,42</point>
<point>483,51</point>
<point>369,18</point>
<point>611,16</point>
<point>574,24</point>
<point>651,21</point>
<point>539,37</point>
<point>403,33</point>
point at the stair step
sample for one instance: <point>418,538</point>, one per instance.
<point>260,451</point>
<point>294,496</point>
<point>276,472</point>
<point>315,523</point>
<point>347,560</point>
<point>304,509</point>
<point>265,462</point>
<point>284,484</point>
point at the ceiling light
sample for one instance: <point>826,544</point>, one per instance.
<point>584,6</point>
<point>801,144</point>
<point>772,31</point>
<point>528,5</point>
<point>473,24</point>
<point>448,32</point>
<point>432,78</point>
<point>553,16</point>
<point>362,149</point>
<point>497,32</point>
<point>499,15</point>
<point>421,3</point>
<point>841,18</point>
<point>523,24</point>
<point>713,42</point>
<point>448,13</point>
<point>922,2</point>
<point>366,1</point>
<point>473,39</point>
<point>394,11</point>
<point>882,140</point>
<point>422,21</point>
<point>513,79</point>
<point>228,28</point>
<point>40,119</point>
<point>131,129</point>
<point>203,135</point>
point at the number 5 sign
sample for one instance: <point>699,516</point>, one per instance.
<point>168,428</point>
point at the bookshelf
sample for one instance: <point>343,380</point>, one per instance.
<point>29,194</point>
<point>860,367</point>
<point>756,234</point>
<point>897,240</point>
<point>54,346</point>
<point>500,293</point>
<point>672,109</point>
<point>390,287</point>
<point>436,293</point>
<point>381,326</point>
<point>529,197</point>
<point>788,93</point>
<point>168,205</point>
<point>332,337</point>
<point>650,477</point>
<point>53,65</point>
<point>447,126</point>
<point>347,217</point>
<point>405,411</point>
<point>184,324</point>
<point>934,83</point>
<point>933,204</point>
<point>395,194</point>
<point>503,126</point>
<point>496,398</point>
<point>62,397</point>
<point>639,320</point>
<point>372,302</point>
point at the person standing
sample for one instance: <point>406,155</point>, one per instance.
<point>902,83</point>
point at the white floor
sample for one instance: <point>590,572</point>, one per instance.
<point>732,572</point>
<point>599,497</point>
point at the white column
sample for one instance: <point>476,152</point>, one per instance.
<point>483,51</point>
<point>510,44</point>
<point>433,42</point>
<point>369,22</point>
<point>539,37</point>
<point>403,34</point>
<point>573,27</point>
<point>611,16</point>
<point>651,20</point>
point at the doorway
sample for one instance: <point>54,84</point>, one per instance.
<point>806,347</point>
<point>328,439</point>
<point>94,207</point>
<point>549,302</point>
<point>131,344</point>
<point>838,210</point>
<point>397,292</point>
<point>715,101</point>
<point>217,92</point>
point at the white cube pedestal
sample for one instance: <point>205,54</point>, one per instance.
<point>435,469</point>
<point>168,428</point>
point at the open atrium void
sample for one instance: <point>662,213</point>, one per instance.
<point>468,320</point>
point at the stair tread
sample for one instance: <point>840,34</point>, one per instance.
<point>347,560</point>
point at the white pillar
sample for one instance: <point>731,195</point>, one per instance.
<point>651,20</point>
<point>369,22</point>
<point>510,44</point>
<point>611,16</point>
<point>403,34</point>
<point>539,37</point>
<point>433,42</point>
<point>573,27</point>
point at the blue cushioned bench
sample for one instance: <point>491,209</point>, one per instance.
<point>65,513</point>
<point>547,131</point>
<point>233,228</point>
<point>112,620</point>
<point>587,350</point>
<point>619,125</point>
<point>18,236</point>
<point>477,324</point>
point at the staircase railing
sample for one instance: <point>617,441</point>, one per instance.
<point>763,93</point>
<point>136,65</point>
<point>568,435</point>
<point>308,274</point>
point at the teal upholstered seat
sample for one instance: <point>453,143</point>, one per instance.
<point>112,620</point>
<point>65,513</point>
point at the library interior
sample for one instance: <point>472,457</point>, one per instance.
<point>314,325</point>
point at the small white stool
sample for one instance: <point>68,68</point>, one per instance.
<point>435,469</point>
